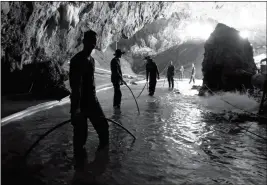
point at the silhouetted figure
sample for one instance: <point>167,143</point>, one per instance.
<point>193,73</point>
<point>151,72</point>
<point>170,74</point>
<point>84,103</point>
<point>182,72</point>
<point>116,77</point>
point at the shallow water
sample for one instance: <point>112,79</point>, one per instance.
<point>178,142</point>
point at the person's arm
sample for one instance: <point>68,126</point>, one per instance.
<point>147,73</point>
<point>119,71</point>
<point>157,70</point>
<point>75,85</point>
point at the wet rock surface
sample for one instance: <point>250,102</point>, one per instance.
<point>228,62</point>
<point>55,29</point>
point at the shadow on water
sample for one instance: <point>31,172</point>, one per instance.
<point>90,172</point>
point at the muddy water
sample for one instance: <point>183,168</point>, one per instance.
<point>178,142</point>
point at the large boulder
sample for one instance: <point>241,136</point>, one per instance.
<point>228,62</point>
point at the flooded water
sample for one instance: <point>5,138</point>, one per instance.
<point>178,142</point>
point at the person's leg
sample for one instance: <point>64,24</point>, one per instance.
<point>150,86</point>
<point>100,124</point>
<point>172,81</point>
<point>194,79</point>
<point>80,132</point>
<point>190,79</point>
<point>117,94</point>
<point>169,81</point>
<point>153,86</point>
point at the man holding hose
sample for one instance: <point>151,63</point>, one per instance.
<point>116,78</point>
<point>152,72</point>
<point>84,103</point>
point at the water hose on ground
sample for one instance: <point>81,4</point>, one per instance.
<point>62,124</point>
<point>141,91</point>
<point>133,97</point>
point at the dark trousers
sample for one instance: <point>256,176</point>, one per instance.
<point>117,94</point>
<point>171,81</point>
<point>192,79</point>
<point>80,127</point>
<point>152,86</point>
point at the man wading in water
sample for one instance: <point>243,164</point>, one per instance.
<point>170,74</point>
<point>116,78</point>
<point>193,73</point>
<point>84,103</point>
<point>153,72</point>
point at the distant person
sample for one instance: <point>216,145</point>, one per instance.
<point>193,73</point>
<point>116,78</point>
<point>182,72</point>
<point>84,103</point>
<point>153,73</point>
<point>170,74</point>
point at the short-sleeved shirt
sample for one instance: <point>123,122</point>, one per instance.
<point>82,82</point>
<point>116,73</point>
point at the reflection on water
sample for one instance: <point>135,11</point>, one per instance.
<point>178,142</point>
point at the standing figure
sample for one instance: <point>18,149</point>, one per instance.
<point>182,72</point>
<point>193,73</point>
<point>116,77</point>
<point>151,72</point>
<point>170,74</point>
<point>84,103</point>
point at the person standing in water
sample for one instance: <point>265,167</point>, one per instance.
<point>182,72</point>
<point>193,73</point>
<point>170,74</point>
<point>116,78</point>
<point>153,73</point>
<point>84,103</point>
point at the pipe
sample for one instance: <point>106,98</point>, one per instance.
<point>121,127</point>
<point>141,91</point>
<point>133,97</point>
<point>62,124</point>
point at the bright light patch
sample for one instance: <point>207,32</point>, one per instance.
<point>199,31</point>
<point>244,34</point>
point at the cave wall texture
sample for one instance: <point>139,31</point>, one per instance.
<point>35,32</point>
<point>38,34</point>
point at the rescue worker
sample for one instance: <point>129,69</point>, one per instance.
<point>170,74</point>
<point>116,77</point>
<point>193,73</point>
<point>151,72</point>
<point>182,72</point>
<point>84,103</point>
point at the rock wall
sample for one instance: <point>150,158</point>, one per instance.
<point>228,62</point>
<point>56,28</point>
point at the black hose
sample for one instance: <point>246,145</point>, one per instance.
<point>43,135</point>
<point>121,127</point>
<point>133,97</point>
<point>62,124</point>
<point>141,91</point>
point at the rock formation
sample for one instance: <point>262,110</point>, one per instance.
<point>56,28</point>
<point>228,62</point>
